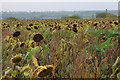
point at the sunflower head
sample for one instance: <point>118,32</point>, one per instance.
<point>16,59</point>
<point>30,25</point>
<point>8,38</point>
<point>22,44</point>
<point>46,70</point>
<point>74,25</point>
<point>35,27</point>
<point>37,37</point>
<point>28,28</point>
<point>16,34</point>
<point>75,29</point>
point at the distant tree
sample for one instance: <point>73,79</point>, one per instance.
<point>72,17</point>
<point>105,15</point>
<point>11,18</point>
<point>111,16</point>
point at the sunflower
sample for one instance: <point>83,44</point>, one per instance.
<point>35,27</point>
<point>116,23</point>
<point>18,25</point>
<point>25,68</point>
<point>16,34</point>
<point>22,44</point>
<point>95,24</point>
<point>31,43</point>
<point>8,38</point>
<point>74,25</point>
<point>75,29</point>
<point>28,28</point>
<point>30,24</point>
<point>37,37</point>
<point>16,59</point>
<point>46,70</point>
<point>36,70</point>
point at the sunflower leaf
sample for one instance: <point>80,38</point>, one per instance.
<point>47,33</point>
<point>118,75</point>
<point>35,61</point>
<point>7,70</point>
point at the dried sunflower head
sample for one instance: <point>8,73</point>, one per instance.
<point>30,25</point>
<point>22,44</point>
<point>16,34</point>
<point>46,70</point>
<point>28,28</point>
<point>37,37</point>
<point>16,59</point>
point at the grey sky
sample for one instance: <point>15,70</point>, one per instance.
<point>58,6</point>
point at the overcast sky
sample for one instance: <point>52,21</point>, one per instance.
<point>61,5</point>
<point>59,0</point>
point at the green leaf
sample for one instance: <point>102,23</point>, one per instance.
<point>114,73</point>
<point>91,30</point>
<point>68,67</point>
<point>45,51</point>
<point>3,78</point>
<point>118,76</point>
<point>116,62</point>
<point>30,36</point>
<point>47,32</point>
<point>7,70</point>
<point>35,61</point>
<point>26,56</point>
<point>104,32</point>
<point>7,46</point>
<point>26,74</point>
<point>14,73</point>
<point>114,70</point>
<point>40,48</point>
<point>35,50</point>
<point>106,43</point>
<point>69,33</point>
<point>98,32</point>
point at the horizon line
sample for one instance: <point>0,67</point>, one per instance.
<point>59,11</point>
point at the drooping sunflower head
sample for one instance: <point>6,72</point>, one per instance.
<point>50,68</point>
<point>74,25</point>
<point>16,59</point>
<point>46,70</point>
<point>35,27</point>
<point>28,28</point>
<point>30,25</point>
<point>16,34</point>
<point>116,23</point>
<point>37,37</point>
<point>22,44</point>
<point>8,38</point>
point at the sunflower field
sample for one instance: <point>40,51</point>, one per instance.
<point>60,48</point>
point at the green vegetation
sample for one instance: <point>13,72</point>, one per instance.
<point>72,17</point>
<point>106,15</point>
<point>53,14</point>
<point>11,18</point>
